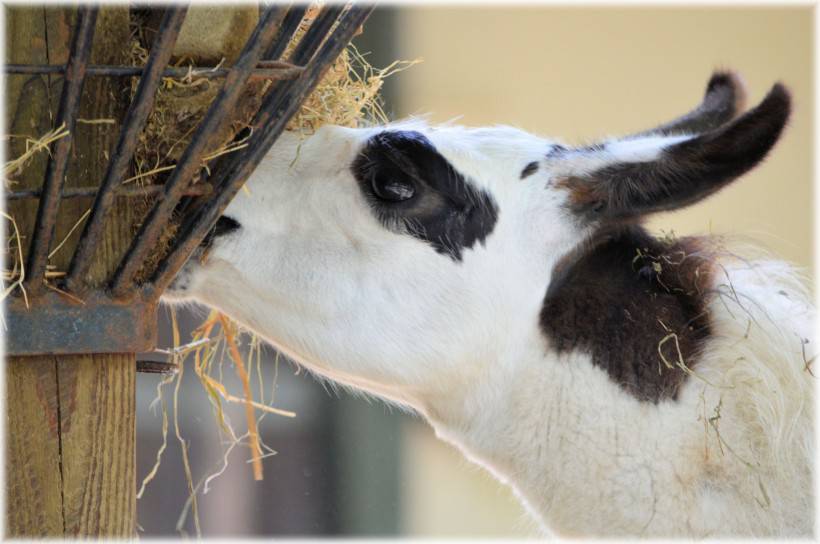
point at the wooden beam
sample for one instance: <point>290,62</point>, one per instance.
<point>71,425</point>
<point>33,476</point>
<point>98,438</point>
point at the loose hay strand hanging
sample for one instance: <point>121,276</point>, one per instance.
<point>161,399</point>
<point>17,274</point>
<point>70,232</point>
<point>184,445</point>
<point>246,385</point>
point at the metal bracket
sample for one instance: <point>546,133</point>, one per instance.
<point>54,324</point>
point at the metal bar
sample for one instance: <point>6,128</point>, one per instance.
<point>46,219</point>
<point>55,324</point>
<point>157,367</point>
<point>218,114</point>
<point>286,32</point>
<point>199,189</point>
<point>265,70</point>
<point>316,32</point>
<point>310,42</point>
<point>274,115</point>
<point>133,124</point>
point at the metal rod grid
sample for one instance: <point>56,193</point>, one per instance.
<point>294,79</point>
<point>57,166</point>
<point>264,70</point>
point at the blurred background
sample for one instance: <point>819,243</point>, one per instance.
<point>350,466</point>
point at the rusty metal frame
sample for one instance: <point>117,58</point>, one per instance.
<point>266,69</point>
<point>121,316</point>
<point>59,326</point>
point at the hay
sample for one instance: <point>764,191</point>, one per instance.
<point>183,445</point>
<point>348,95</point>
<point>14,277</point>
<point>69,233</point>
<point>161,401</point>
<point>246,386</point>
<point>97,121</point>
<point>14,274</point>
<point>211,341</point>
<point>33,146</point>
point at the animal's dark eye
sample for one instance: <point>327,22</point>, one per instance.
<point>392,189</point>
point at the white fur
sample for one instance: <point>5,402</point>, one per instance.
<point>314,273</point>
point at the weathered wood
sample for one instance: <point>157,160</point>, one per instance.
<point>98,436</point>
<point>33,477</point>
<point>71,426</point>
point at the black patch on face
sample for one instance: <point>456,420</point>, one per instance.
<point>413,189</point>
<point>529,170</point>
<point>622,297</point>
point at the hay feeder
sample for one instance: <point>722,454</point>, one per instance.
<point>75,477</point>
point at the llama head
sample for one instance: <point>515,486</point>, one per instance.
<point>407,260</point>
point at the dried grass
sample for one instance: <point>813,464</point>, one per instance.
<point>230,340</point>
<point>216,341</point>
<point>34,146</point>
<point>73,228</point>
<point>14,273</point>
<point>348,95</point>
<point>13,278</point>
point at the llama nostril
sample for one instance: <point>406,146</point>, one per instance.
<point>224,225</point>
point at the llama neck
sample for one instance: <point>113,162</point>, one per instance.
<point>585,457</point>
<point>586,432</point>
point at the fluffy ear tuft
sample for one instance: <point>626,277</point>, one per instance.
<point>681,170</point>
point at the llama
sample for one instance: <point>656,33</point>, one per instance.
<point>501,285</point>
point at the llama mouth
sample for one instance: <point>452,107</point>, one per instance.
<point>179,287</point>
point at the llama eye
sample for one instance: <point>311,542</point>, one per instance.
<point>392,190</point>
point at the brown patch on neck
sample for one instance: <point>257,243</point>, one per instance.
<point>582,193</point>
<point>636,304</point>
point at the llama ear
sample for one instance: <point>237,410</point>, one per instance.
<point>659,171</point>
<point>724,99</point>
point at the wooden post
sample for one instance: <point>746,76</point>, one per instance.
<point>70,422</point>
